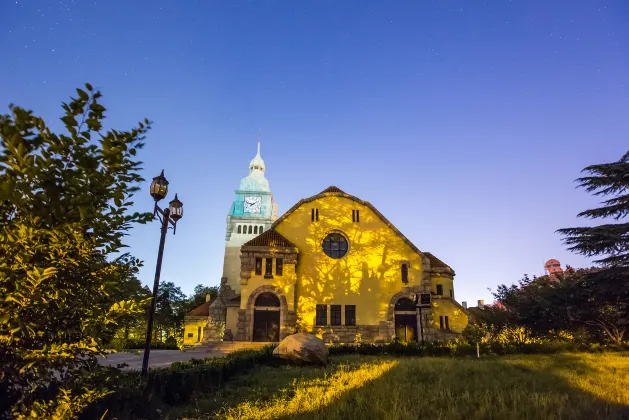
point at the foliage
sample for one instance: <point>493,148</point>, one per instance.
<point>609,241</point>
<point>64,212</point>
<point>176,385</point>
<point>199,296</point>
<point>169,310</point>
<point>586,298</point>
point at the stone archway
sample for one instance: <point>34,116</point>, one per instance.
<point>391,311</point>
<point>266,318</point>
<point>284,316</point>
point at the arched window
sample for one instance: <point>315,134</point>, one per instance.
<point>244,229</point>
<point>239,229</point>
<point>250,229</point>
<point>268,299</point>
<point>405,304</point>
<point>255,230</point>
<point>261,229</point>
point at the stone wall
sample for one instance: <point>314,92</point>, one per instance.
<point>218,312</point>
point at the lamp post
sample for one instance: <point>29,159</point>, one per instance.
<point>422,300</point>
<point>171,214</point>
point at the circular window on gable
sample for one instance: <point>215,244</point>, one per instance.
<point>335,245</point>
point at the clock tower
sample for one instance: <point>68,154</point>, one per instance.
<point>252,213</point>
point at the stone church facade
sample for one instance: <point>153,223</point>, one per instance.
<point>332,265</point>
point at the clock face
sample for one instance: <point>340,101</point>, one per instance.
<point>253,204</point>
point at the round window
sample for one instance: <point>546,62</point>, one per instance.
<point>335,245</point>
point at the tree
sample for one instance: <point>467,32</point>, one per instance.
<point>64,213</point>
<point>169,309</point>
<point>200,295</point>
<point>609,241</point>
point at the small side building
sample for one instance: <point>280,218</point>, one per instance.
<point>195,322</point>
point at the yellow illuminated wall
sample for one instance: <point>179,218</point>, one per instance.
<point>194,325</point>
<point>368,276</point>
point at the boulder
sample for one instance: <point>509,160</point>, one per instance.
<point>302,347</point>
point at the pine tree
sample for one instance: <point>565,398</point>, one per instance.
<point>610,240</point>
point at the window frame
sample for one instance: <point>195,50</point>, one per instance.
<point>335,253</point>
<point>321,315</point>
<point>440,289</point>
<point>447,320</point>
<point>258,267</point>
<point>279,266</point>
<point>336,315</point>
<point>441,322</point>
<point>268,268</point>
<point>350,315</point>
<point>404,272</point>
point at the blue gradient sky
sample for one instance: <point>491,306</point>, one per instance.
<point>464,122</point>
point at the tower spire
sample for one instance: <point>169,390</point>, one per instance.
<point>258,142</point>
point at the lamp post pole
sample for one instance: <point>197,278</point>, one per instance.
<point>421,324</point>
<point>170,215</point>
<point>158,270</point>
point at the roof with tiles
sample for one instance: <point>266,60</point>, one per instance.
<point>201,310</point>
<point>435,262</point>
<point>270,238</point>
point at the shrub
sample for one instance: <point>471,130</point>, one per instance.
<point>137,396</point>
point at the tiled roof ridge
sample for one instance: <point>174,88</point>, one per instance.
<point>270,238</point>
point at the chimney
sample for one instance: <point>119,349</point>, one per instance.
<point>464,303</point>
<point>481,303</point>
<point>208,297</point>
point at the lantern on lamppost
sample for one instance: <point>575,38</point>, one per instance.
<point>171,215</point>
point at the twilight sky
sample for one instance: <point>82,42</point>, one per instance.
<point>464,122</point>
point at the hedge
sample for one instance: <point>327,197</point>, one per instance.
<point>137,397</point>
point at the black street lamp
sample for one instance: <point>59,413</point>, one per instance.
<point>172,214</point>
<point>422,300</point>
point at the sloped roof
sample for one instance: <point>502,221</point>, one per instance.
<point>270,238</point>
<point>201,310</point>
<point>335,191</point>
<point>435,262</point>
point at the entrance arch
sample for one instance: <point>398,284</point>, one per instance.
<point>405,320</point>
<point>266,318</point>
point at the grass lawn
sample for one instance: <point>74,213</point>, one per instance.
<point>563,386</point>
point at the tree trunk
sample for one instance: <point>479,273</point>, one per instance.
<point>478,350</point>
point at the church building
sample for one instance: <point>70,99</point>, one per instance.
<point>332,265</point>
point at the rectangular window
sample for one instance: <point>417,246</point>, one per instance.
<point>279,266</point>
<point>440,289</point>
<point>312,215</point>
<point>441,322</point>
<point>190,335</point>
<point>322,315</point>
<point>350,314</point>
<point>355,215</point>
<point>317,215</point>
<point>404,273</point>
<point>258,266</point>
<point>447,322</point>
<point>269,268</point>
<point>451,293</point>
<point>358,215</point>
<point>335,315</point>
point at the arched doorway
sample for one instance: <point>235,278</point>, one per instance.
<point>405,320</point>
<point>266,318</point>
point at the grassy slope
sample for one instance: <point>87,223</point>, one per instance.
<point>566,386</point>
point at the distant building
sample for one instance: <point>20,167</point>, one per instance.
<point>552,268</point>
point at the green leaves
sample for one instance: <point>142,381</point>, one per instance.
<point>60,242</point>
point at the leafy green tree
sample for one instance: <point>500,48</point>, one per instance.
<point>609,241</point>
<point>170,309</point>
<point>475,333</point>
<point>64,213</point>
<point>200,295</point>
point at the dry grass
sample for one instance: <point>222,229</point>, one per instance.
<point>564,386</point>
